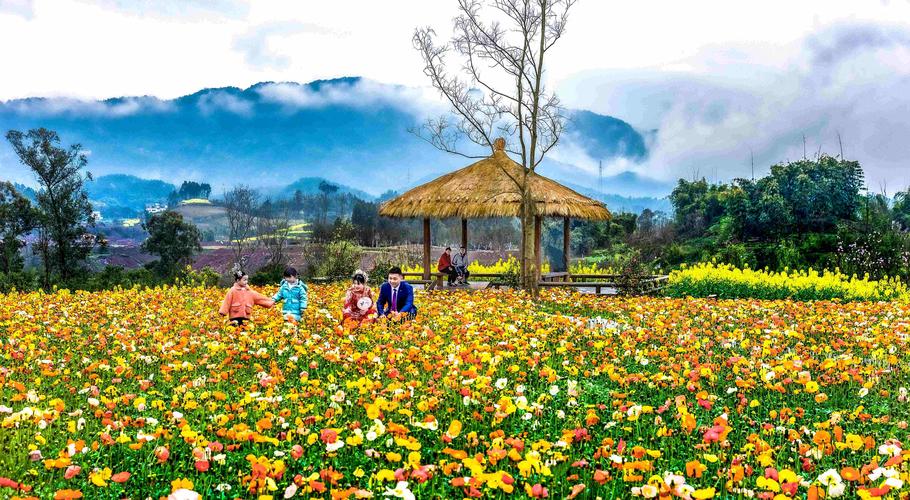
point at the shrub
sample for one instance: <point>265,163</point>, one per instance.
<point>268,275</point>
<point>728,282</point>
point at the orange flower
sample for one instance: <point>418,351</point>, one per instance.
<point>694,469</point>
<point>849,474</point>
<point>67,495</point>
<point>120,477</point>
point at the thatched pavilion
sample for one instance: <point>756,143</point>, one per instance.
<point>488,189</point>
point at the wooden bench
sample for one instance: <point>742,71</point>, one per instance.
<point>556,276</point>
<point>596,285</point>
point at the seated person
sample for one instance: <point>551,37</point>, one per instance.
<point>445,265</point>
<point>396,296</point>
<point>358,301</point>
<point>460,263</point>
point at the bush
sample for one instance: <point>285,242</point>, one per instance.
<point>207,277</point>
<point>23,281</point>
<point>268,275</point>
<point>728,282</point>
<point>335,260</point>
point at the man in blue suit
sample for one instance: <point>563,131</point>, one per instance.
<point>396,295</point>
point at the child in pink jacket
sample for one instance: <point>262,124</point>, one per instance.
<point>239,301</point>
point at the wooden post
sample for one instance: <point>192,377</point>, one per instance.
<point>464,233</point>
<point>565,243</point>
<point>426,249</point>
<point>537,243</point>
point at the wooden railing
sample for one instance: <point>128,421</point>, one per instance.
<point>599,282</point>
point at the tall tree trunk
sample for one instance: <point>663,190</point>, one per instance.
<point>528,252</point>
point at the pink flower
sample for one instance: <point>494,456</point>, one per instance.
<point>328,436</point>
<point>72,471</point>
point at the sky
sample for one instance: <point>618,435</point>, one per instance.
<point>723,85</point>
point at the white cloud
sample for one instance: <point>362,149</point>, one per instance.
<point>421,101</point>
<point>81,107</point>
<point>849,79</point>
<point>223,100</point>
<point>21,8</point>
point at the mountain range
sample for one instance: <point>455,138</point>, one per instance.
<point>350,131</point>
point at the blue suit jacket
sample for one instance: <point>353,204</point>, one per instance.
<point>405,299</point>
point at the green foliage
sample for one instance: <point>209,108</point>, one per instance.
<point>207,277</point>
<point>23,281</point>
<point>17,218</point>
<point>269,274</point>
<point>64,212</point>
<point>172,239</point>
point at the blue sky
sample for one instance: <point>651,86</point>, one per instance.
<point>721,81</point>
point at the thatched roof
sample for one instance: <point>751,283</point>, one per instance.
<point>486,189</point>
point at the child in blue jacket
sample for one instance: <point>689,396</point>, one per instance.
<point>294,294</point>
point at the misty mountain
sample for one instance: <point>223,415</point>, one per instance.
<point>350,131</point>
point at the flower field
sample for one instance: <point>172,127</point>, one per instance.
<point>728,282</point>
<point>145,393</point>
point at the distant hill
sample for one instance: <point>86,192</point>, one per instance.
<point>617,203</point>
<point>122,195</point>
<point>350,131</point>
<point>310,185</point>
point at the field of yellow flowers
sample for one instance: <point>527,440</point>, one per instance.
<point>147,394</point>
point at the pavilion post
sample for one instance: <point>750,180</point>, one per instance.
<point>426,249</point>
<point>566,235</point>
<point>537,243</point>
<point>464,233</point>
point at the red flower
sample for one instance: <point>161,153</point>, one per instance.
<point>120,477</point>
<point>328,436</point>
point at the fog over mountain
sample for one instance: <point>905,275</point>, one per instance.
<point>348,130</point>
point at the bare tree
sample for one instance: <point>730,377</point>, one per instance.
<point>273,229</point>
<point>241,204</point>
<point>499,90</point>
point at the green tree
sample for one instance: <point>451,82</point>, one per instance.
<point>17,218</point>
<point>173,240</point>
<point>64,212</point>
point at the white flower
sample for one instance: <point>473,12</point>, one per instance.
<point>93,402</point>
<point>184,494</point>
<point>290,491</point>
<point>829,477</point>
<point>501,383</point>
<point>889,449</point>
<point>863,392</point>
<point>371,435</point>
<point>560,414</point>
<point>330,447</point>
<point>672,480</point>
<point>881,471</point>
<point>836,490</point>
<point>894,483</point>
<point>223,487</point>
<point>554,390</point>
<point>400,491</point>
